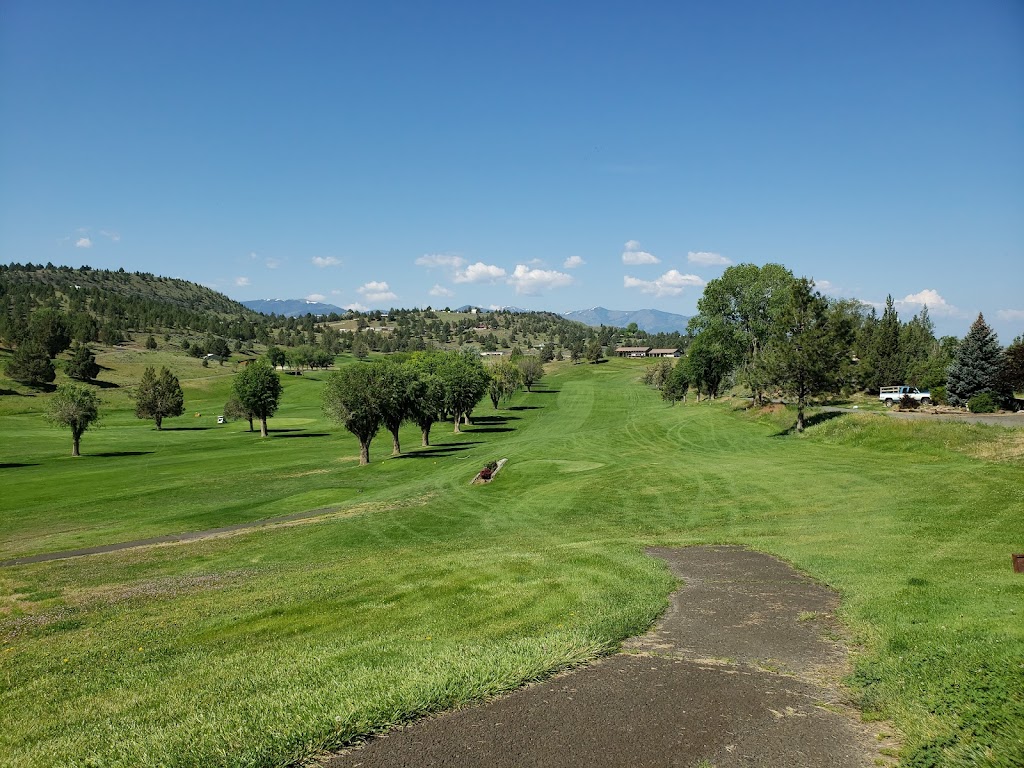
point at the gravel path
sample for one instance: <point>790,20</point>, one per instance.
<point>742,670</point>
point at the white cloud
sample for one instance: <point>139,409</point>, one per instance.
<point>111,235</point>
<point>573,262</point>
<point>935,303</point>
<point>824,286</point>
<point>1010,315</point>
<point>242,281</point>
<point>708,259</point>
<point>480,273</point>
<point>440,290</point>
<point>355,307</point>
<point>377,291</point>
<point>633,254</point>
<point>534,281</point>
<point>671,283</point>
<point>639,257</point>
<point>83,242</point>
<point>272,263</point>
<point>317,297</point>
<point>440,260</point>
<point>325,261</point>
<point>335,292</point>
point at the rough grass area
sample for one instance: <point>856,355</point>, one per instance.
<point>262,648</point>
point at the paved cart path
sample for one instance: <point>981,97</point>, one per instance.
<point>742,670</point>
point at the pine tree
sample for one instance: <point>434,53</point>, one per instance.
<point>886,361</point>
<point>976,366</point>
<point>30,364</point>
<point>159,397</point>
<point>82,364</point>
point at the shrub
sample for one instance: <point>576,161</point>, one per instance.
<point>939,395</point>
<point>983,403</point>
<point>907,403</point>
<point>485,473</point>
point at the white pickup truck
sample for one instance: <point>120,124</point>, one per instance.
<point>892,395</point>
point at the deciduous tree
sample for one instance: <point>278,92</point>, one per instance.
<point>351,398</point>
<point>532,370</point>
<point>75,407</point>
<point>505,379</point>
<point>258,389</point>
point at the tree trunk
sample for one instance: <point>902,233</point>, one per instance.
<point>263,426</point>
<point>364,453</point>
<point>800,415</point>
<point>495,401</point>
<point>396,448</point>
<point>250,424</point>
<point>426,436</point>
<point>159,422</point>
<point>458,418</point>
<point>76,437</point>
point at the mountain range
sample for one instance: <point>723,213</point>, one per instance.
<point>650,320</point>
<point>292,307</point>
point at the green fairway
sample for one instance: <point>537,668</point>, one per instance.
<point>263,647</point>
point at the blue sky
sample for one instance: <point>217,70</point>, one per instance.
<point>545,155</point>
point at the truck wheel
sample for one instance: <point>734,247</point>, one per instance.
<point>925,401</point>
<point>888,402</point>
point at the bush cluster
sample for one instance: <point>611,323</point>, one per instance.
<point>983,403</point>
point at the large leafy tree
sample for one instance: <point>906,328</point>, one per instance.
<point>397,390</point>
<point>505,379</point>
<point>676,383</point>
<point>159,396</point>
<point>741,308</point>
<point>30,364</point>
<point>233,409</point>
<point>351,398</point>
<point>805,356</point>
<point>465,384</point>
<point>258,389</point>
<point>710,357</point>
<point>976,365</point>
<point>75,407</point>
<point>532,370</point>
<point>82,365</point>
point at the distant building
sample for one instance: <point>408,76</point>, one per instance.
<point>632,351</point>
<point>674,352</point>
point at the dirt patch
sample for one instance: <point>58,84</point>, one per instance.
<point>742,670</point>
<point>773,408</point>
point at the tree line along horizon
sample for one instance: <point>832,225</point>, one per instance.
<point>761,328</point>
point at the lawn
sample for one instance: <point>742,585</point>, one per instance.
<point>419,591</point>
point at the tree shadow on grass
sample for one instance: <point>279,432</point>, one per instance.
<point>434,451</point>
<point>524,408</point>
<point>544,391</point>
<point>474,429</point>
<point>810,421</point>
<point>184,429</point>
<point>301,434</point>
<point>103,384</point>
<point>115,454</point>
<point>14,464</point>
<point>13,392</point>
<point>494,419</point>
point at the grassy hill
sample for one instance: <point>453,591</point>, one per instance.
<point>415,591</point>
